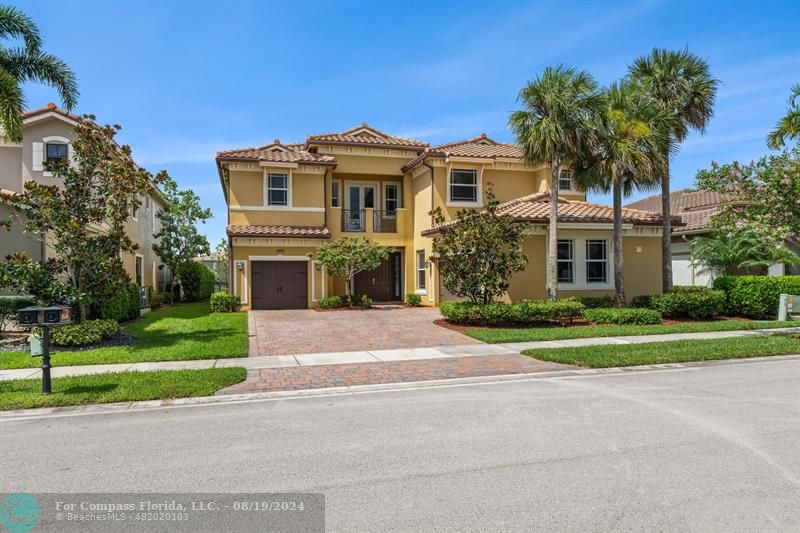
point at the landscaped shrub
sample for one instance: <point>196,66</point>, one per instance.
<point>85,333</point>
<point>332,302</point>
<point>9,307</point>
<point>627,315</point>
<point>756,296</point>
<point>643,301</point>
<point>414,300</point>
<point>156,300</point>
<point>122,306</point>
<point>524,312</point>
<point>222,302</point>
<point>197,280</point>
<point>697,304</point>
<point>364,301</point>
<point>595,302</point>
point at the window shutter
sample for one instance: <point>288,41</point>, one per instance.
<point>70,155</point>
<point>38,156</point>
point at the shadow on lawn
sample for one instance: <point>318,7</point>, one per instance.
<point>90,389</point>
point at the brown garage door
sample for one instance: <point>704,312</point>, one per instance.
<point>279,284</point>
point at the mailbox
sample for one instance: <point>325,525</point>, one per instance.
<point>54,315</point>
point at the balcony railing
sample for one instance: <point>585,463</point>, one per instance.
<point>355,220</point>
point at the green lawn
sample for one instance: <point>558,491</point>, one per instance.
<point>179,332</point>
<point>495,335</point>
<point>670,352</point>
<point>118,387</point>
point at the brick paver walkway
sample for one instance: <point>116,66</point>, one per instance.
<point>301,331</point>
<point>324,376</point>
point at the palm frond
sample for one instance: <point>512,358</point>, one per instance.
<point>15,23</point>
<point>12,105</point>
<point>41,67</point>
<point>788,127</point>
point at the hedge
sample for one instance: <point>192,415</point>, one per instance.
<point>756,296</point>
<point>85,333</point>
<point>197,281</point>
<point>595,302</point>
<point>414,300</point>
<point>627,315</point>
<point>222,302</point>
<point>524,312</point>
<point>122,306</point>
<point>684,302</point>
<point>10,305</point>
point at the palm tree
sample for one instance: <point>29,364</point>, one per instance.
<point>628,155</point>
<point>682,85</point>
<point>788,127</point>
<point>723,252</point>
<point>555,128</point>
<point>27,64</point>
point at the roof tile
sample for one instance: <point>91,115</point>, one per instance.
<point>277,152</point>
<point>365,134</point>
<point>309,232</point>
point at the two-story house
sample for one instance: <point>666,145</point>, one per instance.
<point>284,200</point>
<point>48,133</point>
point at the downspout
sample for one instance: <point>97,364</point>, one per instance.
<point>432,188</point>
<point>325,198</point>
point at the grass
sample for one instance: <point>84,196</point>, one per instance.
<point>118,387</point>
<point>180,332</point>
<point>495,335</point>
<point>670,352</point>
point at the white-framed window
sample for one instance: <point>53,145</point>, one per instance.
<point>277,189</point>
<point>596,261</point>
<point>421,268</point>
<point>565,180</point>
<point>391,197</point>
<point>566,261</point>
<point>55,151</point>
<point>139,270</point>
<point>463,186</point>
<point>336,194</point>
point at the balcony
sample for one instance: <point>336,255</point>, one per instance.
<point>357,220</point>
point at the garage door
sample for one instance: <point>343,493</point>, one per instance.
<point>279,284</point>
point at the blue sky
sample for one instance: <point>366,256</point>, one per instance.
<point>187,79</point>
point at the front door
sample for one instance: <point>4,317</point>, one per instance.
<point>384,283</point>
<point>359,198</point>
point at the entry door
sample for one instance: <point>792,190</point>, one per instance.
<point>359,198</point>
<point>382,284</point>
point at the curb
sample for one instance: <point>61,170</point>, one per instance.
<point>111,408</point>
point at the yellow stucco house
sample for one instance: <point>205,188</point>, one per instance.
<point>284,200</point>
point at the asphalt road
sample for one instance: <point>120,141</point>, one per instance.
<point>713,448</point>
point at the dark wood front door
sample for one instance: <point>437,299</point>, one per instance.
<point>279,284</point>
<point>384,283</point>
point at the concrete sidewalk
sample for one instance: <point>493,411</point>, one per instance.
<point>377,356</point>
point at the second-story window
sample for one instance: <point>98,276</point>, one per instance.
<point>464,185</point>
<point>55,152</point>
<point>277,189</point>
<point>391,198</point>
<point>335,194</point>
<point>565,181</point>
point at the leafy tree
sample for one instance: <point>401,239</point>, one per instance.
<point>222,265</point>
<point>479,253</point>
<point>345,257</point>
<point>555,128</point>
<point>23,275</point>
<point>628,155</point>
<point>178,241</point>
<point>763,196</point>
<point>788,128</point>
<point>99,189</point>
<point>19,65</point>
<point>726,251</point>
<point>682,85</point>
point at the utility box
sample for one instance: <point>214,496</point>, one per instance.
<point>788,307</point>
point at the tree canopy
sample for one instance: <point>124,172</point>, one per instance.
<point>347,256</point>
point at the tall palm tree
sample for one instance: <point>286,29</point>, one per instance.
<point>629,154</point>
<point>24,64</point>
<point>555,128</point>
<point>788,127</point>
<point>682,85</point>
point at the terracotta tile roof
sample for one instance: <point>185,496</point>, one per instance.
<point>366,135</point>
<point>51,108</point>
<point>480,146</point>
<point>276,152</point>
<point>695,208</point>
<point>307,232</point>
<point>535,208</point>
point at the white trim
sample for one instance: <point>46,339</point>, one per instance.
<point>278,258</point>
<point>313,282</point>
<point>341,194</point>
<point>399,197</point>
<point>275,164</point>
<point>56,139</point>
<point>277,208</point>
<point>50,114</point>
<point>478,188</point>
<point>137,256</point>
<point>579,262</point>
<point>361,185</point>
<point>288,175</point>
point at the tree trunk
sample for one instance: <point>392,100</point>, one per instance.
<point>348,286</point>
<point>619,282</point>
<point>666,234</point>
<point>552,245</point>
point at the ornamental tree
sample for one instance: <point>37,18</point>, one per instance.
<point>726,251</point>
<point>762,196</point>
<point>479,252</point>
<point>346,256</point>
<point>84,217</point>
<point>178,241</point>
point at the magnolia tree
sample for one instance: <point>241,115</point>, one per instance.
<point>479,253</point>
<point>178,241</point>
<point>99,188</point>
<point>345,257</point>
<point>762,196</point>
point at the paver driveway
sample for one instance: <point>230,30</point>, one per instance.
<point>299,331</point>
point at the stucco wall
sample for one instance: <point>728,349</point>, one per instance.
<point>11,168</point>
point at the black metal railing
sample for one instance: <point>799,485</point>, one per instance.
<point>384,222</point>
<point>353,220</point>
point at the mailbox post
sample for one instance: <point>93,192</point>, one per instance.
<point>44,317</point>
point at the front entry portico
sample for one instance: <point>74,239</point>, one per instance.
<point>383,284</point>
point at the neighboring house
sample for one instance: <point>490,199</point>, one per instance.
<point>284,200</point>
<point>695,209</point>
<point>214,261</point>
<point>48,133</point>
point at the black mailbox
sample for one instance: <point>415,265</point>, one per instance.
<point>29,316</point>
<point>39,316</point>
